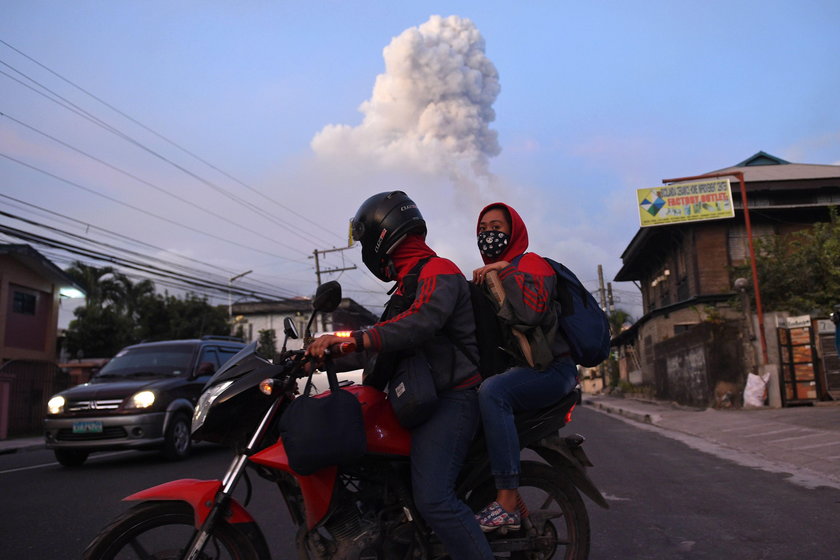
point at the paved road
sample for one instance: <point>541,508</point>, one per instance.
<point>669,499</point>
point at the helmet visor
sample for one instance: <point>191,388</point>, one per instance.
<point>357,230</point>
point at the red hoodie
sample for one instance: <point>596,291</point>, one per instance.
<point>529,284</point>
<point>441,312</point>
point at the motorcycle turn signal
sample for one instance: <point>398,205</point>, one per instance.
<point>267,386</point>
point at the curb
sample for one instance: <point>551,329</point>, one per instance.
<point>7,448</point>
<point>642,417</point>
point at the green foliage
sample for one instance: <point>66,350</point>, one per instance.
<point>267,344</point>
<point>97,332</point>
<point>617,318</point>
<point>119,311</point>
<point>799,272</point>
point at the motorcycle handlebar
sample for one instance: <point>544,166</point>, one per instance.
<point>341,349</point>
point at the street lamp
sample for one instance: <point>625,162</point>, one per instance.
<point>230,288</point>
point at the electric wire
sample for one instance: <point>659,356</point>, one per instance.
<point>84,239</point>
<point>138,209</point>
<point>225,219</point>
<point>67,104</point>
<point>164,138</point>
<point>142,267</point>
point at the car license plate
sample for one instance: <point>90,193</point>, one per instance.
<point>91,427</point>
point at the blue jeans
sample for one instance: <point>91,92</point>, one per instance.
<point>438,449</point>
<point>515,390</point>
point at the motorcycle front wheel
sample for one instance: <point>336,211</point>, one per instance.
<point>555,524</point>
<point>161,531</point>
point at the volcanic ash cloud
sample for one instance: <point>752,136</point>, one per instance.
<point>431,108</point>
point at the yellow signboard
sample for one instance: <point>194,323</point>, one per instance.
<point>685,202</point>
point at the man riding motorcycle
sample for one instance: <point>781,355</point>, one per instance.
<point>392,233</point>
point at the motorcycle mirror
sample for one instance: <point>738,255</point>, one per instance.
<point>289,328</point>
<point>327,297</point>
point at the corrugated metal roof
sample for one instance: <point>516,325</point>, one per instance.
<point>784,172</point>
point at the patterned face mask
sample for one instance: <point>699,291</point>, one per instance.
<point>492,243</point>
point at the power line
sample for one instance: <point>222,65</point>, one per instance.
<point>226,219</point>
<point>133,265</point>
<point>69,105</point>
<point>164,138</point>
<point>116,235</point>
<point>138,209</point>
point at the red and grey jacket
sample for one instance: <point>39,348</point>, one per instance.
<point>440,314</point>
<point>530,286</point>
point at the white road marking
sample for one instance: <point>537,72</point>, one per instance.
<point>41,466</point>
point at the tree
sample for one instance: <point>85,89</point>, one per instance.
<point>119,312</point>
<point>799,272</point>
<point>267,345</point>
<point>97,332</point>
<point>617,319</point>
<point>99,283</point>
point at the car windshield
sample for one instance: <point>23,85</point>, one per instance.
<point>152,361</point>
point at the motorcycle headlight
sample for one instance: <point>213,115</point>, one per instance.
<point>56,405</point>
<point>205,401</point>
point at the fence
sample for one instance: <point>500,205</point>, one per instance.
<point>25,388</point>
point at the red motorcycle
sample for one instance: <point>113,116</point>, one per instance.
<point>364,511</point>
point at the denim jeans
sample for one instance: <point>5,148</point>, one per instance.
<point>515,390</point>
<point>438,449</point>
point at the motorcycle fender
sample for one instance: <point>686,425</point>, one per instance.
<point>572,462</point>
<point>200,494</point>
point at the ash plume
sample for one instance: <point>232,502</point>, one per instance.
<point>430,111</point>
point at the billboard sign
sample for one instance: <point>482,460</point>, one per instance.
<point>685,202</point>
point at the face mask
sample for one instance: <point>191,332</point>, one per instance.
<point>491,243</point>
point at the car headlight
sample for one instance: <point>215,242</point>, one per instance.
<point>143,399</point>
<point>56,405</point>
<point>205,401</point>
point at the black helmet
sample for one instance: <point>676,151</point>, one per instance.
<point>381,223</point>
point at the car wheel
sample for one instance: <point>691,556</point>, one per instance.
<point>177,441</point>
<point>70,457</point>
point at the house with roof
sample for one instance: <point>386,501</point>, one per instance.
<point>30,290</point>
<point>694,344</point>
<point>252,317</point>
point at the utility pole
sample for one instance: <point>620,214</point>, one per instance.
<point>319,272</point>
<point>603,300</point>
<point>601,292</point>
<point>230,297</point>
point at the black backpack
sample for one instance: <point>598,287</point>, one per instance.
<point>494,341</point>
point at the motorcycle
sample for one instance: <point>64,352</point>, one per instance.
<point>363,511</point>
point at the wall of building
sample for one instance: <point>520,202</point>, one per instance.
<point>27,337</point>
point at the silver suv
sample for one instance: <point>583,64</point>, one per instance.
<point>142,399</point>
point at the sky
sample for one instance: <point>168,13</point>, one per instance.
<point>216,138</point>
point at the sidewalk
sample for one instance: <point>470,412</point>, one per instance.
<point>803,441</point>
<point>21,444</point>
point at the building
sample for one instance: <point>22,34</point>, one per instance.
<point>252,317</point>
<point>30,290</point>
<point>693,343</point>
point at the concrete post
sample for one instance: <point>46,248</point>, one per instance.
<point>774,395</point>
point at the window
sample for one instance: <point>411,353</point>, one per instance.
<point>24,303</point>
<point>738,243</point>
<point>226,353</point>
<point>683,327</point>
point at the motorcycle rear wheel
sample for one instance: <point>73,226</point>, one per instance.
<point>161,531</point>
<point>557,518</point>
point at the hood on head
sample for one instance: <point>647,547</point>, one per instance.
<point>518,234</point>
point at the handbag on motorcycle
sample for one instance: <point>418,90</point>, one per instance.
<point>324,430</point>
<point>411,390</point>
